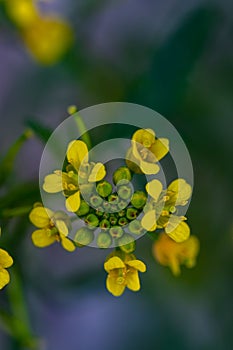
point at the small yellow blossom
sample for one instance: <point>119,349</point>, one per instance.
<point>48,39</point>
<point>163,205</point>
<point>146,152</point>
<point>22,12</point>
<point>173,254</point>
<point>123,272</point>
<point>53,227</point>
<point>5,262</point>
<point>81,172</point>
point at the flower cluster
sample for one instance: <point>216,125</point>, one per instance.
<point>5,262</point>
<point>112,214</point>
<point>47,37</point>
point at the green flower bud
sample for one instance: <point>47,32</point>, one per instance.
<point>121,213</point>
<point>84,236</point>
<point>131,213</point>
<point>122,173</point>
<point>113,198</point>
<point>122,221</point>
<point>116,231</point>
<point>125,192</point>
<point>104,188</point>
<point>83,209</point>
<point>139,199</point>
<point>113,208</point>
<point>104,224</point>
<point>122,204</point>
<point>99,211</point>
<point>136,228</point>
<point>106,215</point>
<point>96,201</point>
<point>104,240</point>
<point>106,206</point>
<point>113,220</point>
<point>92,220</point>
<point>127,244</point>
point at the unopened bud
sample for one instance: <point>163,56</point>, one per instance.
<point>84,236</point>
<point>104,240</point>
<point>131,213</point>
<point>122,173</point>
<point>116,231</point>
<point>127,243</point>
<point>139,199</point>
<point>104,188</point>
<point>83,209</point>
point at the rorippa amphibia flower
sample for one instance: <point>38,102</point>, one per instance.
<point>53,227</point>
<point>122,272</point>
<point>173,254</point>
<point>22,12</point>
<point>146,151</point>
<point>48,39</point>
<point>5,262</point>
<point>79,170</point>
<point>160,213</point>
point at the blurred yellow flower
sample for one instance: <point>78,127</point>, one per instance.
<point>146,151</point>
<point>123,273</point>
<point>160,212</point>
<point>173,254</point>
<point>82,171</point>
<point>53,227</point>
<point>48,39</point>
<point>5,262</point>
<point>22,12</point>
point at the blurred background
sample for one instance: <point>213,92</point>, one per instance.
<point>175,57</point>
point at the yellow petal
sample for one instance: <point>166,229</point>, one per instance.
<point>67,244</point>
<point>62,228</point>
<point>137,264</point>
<point>113,263</point>
<point>41,239</point>
<point>73,202</point>
<point>160,148</point>
<point>5,259</point>
<point>182,189</point>
<point>97,173</point>
<point>76,152</point>
<point>4,278</point>
<point>142,134</point>
<point>132,280</point>
<point>53,182</point>
<point>149,168</point>
<point>174,265</point>
<point>149,221</point>
<point>154,189</point>
<point>180,233</point>
<point>113,287</point>
<point>40,216</point>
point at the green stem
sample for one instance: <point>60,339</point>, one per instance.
<point>83,130</point>
<point>7,213</point>
<point>18,323</point>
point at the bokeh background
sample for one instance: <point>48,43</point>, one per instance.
<point>175,57</point>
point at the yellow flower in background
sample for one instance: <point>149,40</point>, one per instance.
<point>123,273</point>
<point>146,151</point>
<point>48,39</point>
<point>22,12</point>
<point>164,202</point>
<point>53,227</point>
<point>82,171</point>
<point>5,262</point>
<point>173,254</point>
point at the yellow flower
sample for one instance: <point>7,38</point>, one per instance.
<point>53,227</point>
<point>81,172</point>
<point>163,205</point>
<point>146,151</point>
<point>22,12</point>
<point>48,39</point>
<point>122,273</point>
<point>5,262</point>
<point>172,254</point>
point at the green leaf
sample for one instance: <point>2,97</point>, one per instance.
<point>42,131</point>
